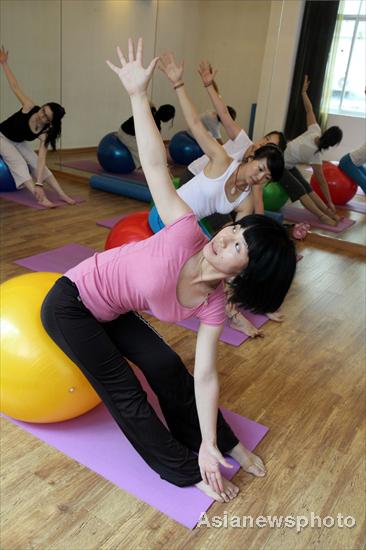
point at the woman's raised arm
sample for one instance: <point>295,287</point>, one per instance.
<point>208,144</point>
<point>26,102</point>
<point>310,116</point>
<point>135,79</point>
<point>208,78</point>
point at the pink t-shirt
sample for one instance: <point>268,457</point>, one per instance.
<point>144,275</point>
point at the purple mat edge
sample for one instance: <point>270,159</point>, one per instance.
<point>289,213</point>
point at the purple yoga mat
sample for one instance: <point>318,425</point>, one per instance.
<point>228,335</point>
<point>110,222</point>
<point>26,198</point>
<point>95,441</point>
<point>294,214</point>
<point>355,206</point>
<point>57,260</point>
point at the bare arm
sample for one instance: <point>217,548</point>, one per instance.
<point>206,384</point>
<point>310,116</point>
<point>208,144</point>
<point>319,174</point>
<point>208,75</point>
<point>26,102</point>
<point>135,80</point>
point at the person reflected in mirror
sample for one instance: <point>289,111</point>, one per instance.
<point>308,148</point>
<point>31,122</point>
<point>126,132</point>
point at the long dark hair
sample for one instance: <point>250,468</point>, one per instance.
<point>282,142</point>
<point>262,286</point>
<point>330,137</point>
<point>53,132</point>
<point>274,156</point>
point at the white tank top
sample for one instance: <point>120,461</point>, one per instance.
<point>207,196</point>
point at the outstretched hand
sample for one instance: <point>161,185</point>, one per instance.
<point>306,84</point>
<point>209,458</point>
<point>134,77</point>
<point>172,69</point>
<point>207,73</point>
<point>3,55</point>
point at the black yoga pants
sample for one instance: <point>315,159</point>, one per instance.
<point>101,351</point>
<point>295,184</point>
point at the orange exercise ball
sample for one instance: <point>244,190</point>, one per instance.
<point>39,383</point>
<point>132,228</point>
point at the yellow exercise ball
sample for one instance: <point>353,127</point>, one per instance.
<point>39,383</point>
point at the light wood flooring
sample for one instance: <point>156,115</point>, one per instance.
<point>305,380</point>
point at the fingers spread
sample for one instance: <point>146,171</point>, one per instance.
<point>131,53</point>
<point>121,56</point>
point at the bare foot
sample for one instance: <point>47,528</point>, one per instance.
<point>239,322</point>
<point>333,215</point>
<point>327,220</point>
<point>46,203</point>
<point>67,199</point>
<point>250,462</point>
<point>230,491</point>
<point>41,198</point>
<point>276,316</point>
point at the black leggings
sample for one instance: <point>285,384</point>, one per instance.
<point>100,350</point>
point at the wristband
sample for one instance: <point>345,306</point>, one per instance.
<point>178,85</point>
<point>39,184</point>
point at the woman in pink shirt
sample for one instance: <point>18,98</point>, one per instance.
<point>176,273</point>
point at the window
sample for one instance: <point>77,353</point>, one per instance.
<point>346,66</point>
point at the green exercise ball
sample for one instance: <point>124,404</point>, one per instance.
<point>274,196</point>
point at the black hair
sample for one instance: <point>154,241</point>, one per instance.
<point>232,112</point>
<point>166,112</point>
<point>330,137</point>
<point>274,156</point>
<point>53,132</point>
<point>262,286</point>
<point>282,141</point>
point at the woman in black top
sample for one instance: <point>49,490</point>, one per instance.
<point>27,124</point>
<point>126,132</point>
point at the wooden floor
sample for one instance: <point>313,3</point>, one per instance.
<point>304,379</point>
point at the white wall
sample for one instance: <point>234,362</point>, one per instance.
<point>278,65</point>
<point>92,94</point>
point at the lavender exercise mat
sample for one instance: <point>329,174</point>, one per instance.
<point>294,214</point>
<point>95,441</point>
<point>26,198</point>
<point>228,335</point>
<point>355,206</point>
<point>109,222</point>
<point>58,260</point>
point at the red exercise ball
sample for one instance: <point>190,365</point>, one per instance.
<point>131,229</point>
<point>342,189</point>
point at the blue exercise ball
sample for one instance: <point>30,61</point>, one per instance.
<point>7,182</point>
<point>113,156</point>
<point>184,149</point>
